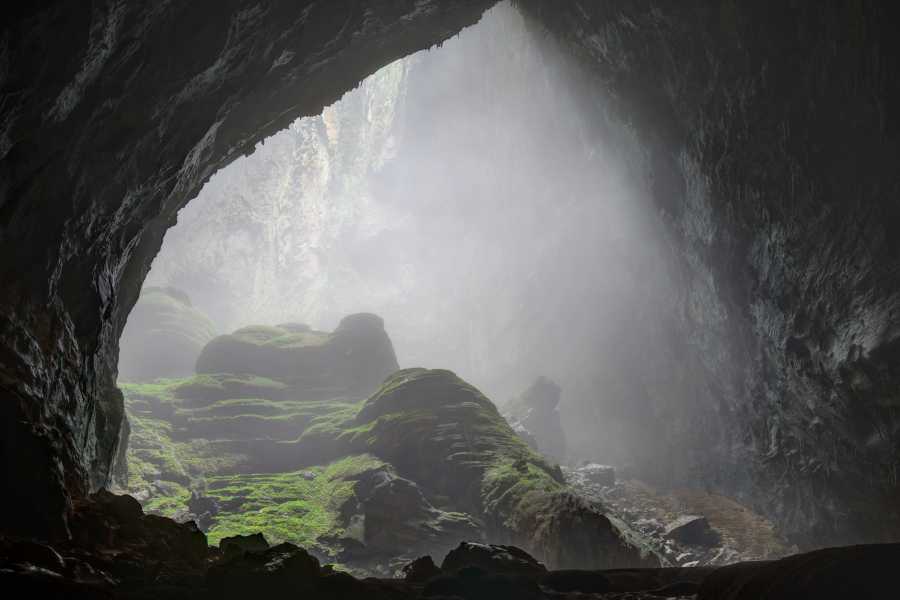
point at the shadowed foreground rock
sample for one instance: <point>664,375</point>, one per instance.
<point>119,552</point>
<point>858,572</point>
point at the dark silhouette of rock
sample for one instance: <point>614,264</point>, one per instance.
<point>586,582</point>
<point>693,530</point>
<point>420,570</point>
<point>492,558</point>
<point>164,336</point>
<point>278,571</point>
<point>536,414</point>
<point>472,583</point>
<point>238,544</point>
<point>865,572</point>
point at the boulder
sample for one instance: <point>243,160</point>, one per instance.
<point>280,571</point>
<point>492,558</point>
<point>396,517</point>
<point>420,570</point>
<point>163,337</point>
<point>693,530</point>
<point>422,418</point>
<point>354,359</point>
<point>239,544</point>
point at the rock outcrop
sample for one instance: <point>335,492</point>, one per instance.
<point>536,413</point>
<point>163,337</point>
<point>353,360</point>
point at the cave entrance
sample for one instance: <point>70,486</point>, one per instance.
<point>476,199</point>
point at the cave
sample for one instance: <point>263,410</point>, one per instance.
<point>756,347</point>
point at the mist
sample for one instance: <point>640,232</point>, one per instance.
<point>478,199</point>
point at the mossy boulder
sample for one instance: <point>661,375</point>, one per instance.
<point>353,359</point>
<point>163,337</point>
<point>445,435</point>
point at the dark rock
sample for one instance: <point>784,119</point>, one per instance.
<point>472,583</point>
<point>420,570</point>
<point>492,558</point>
<point>280,571</point>
<point>204,508</point>
<point>567,581</point>
<point>863,572</point>
<point>239,544</point>
<point>693,531</point>
<point>397,516</point>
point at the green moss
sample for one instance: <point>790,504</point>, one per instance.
<point>280,337</point>
<point>298,507</point>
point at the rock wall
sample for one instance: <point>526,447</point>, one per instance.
<point>770,130</point>
<point>113,116</point>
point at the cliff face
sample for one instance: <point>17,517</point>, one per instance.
<point>771,131</point>
<point>113,118</point>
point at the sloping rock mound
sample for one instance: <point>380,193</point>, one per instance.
<point>163,337</point>
<point>492,558</point>
<point>536,413</point>
<point>441,432</point>
<point>860,572</point>
<point>355,358</point>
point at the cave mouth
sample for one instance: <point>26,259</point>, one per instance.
<point>476,200</point>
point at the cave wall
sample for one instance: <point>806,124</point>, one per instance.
<point>113,116</point>
<point>771,128</point>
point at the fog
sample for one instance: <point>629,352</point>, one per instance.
<point>475,196</point>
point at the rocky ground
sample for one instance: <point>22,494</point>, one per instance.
<point>304,436</point>
<point>688,528</point>
<point>118,551</point>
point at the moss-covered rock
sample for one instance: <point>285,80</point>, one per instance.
<point>163,337</point>
<point>353,359</point>
<point>444,434</point>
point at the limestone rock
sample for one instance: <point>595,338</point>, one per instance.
<point>163,337</point>
<point>354,359</point>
